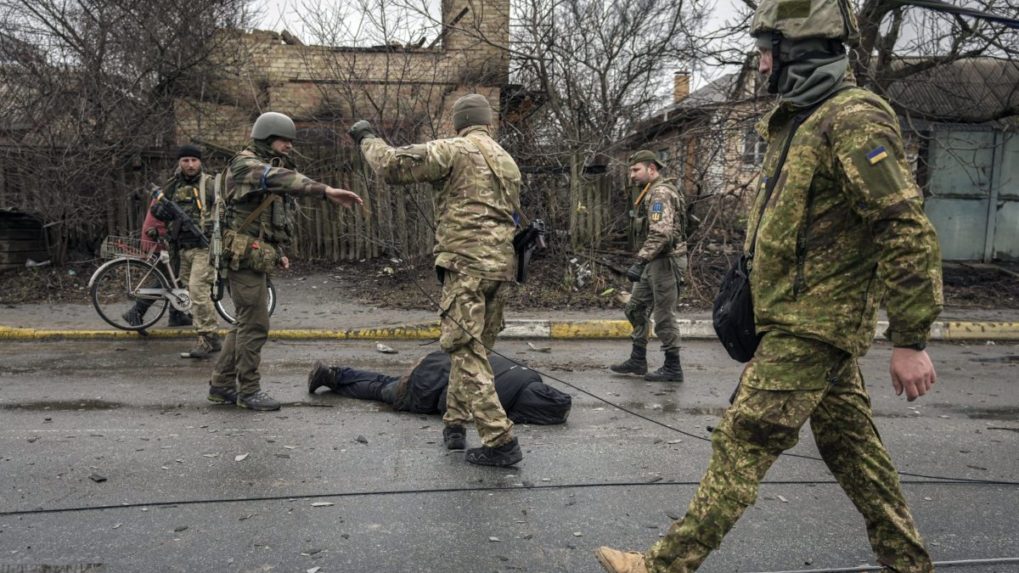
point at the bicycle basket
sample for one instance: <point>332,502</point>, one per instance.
<point>114,247</point>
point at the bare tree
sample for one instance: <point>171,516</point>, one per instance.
<point>89,88</point>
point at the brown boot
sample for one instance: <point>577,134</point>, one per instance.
<point>615,561</point>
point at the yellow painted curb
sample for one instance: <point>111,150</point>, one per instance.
<point>961,330</point>
<point>590,329</point>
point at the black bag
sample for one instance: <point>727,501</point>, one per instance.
<point>733,312</point>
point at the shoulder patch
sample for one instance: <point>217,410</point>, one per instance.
<point>656,207</point>
<point>877,154</point>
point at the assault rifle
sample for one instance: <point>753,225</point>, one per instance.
<point>524,244</point>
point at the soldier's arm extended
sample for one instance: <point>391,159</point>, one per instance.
<point>424,162</point>
<point>661,214</point>
<point>281,181</point>
<point>869,151</point>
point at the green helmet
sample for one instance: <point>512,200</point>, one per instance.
<point>272,124</point>
<point>801,19</point>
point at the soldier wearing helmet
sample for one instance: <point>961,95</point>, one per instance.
<point>658,273</point>
<point>259,190</point>
<point>838,226</point>
<point>478,191</point>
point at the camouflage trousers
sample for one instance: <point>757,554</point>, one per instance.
<point>657,292</point>
<point>237,367</point>
<point>197,275</point>
<point>471,318</point>
<point>792,380</point>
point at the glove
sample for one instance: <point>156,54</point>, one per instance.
<point>360,130</point>
<point>635,271</point>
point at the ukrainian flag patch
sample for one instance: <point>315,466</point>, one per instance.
<point>656,211</point>
<point>877,154</point>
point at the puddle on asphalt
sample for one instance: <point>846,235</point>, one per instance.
<point>672,407</point>
<point>62,405</point>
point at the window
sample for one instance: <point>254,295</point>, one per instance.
<point>754,147</point>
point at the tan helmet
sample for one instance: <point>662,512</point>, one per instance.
<point>801,19</point>
<point>272,124</point>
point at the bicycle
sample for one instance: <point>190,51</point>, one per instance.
<point>133,275</point>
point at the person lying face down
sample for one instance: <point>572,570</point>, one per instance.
<point>523,394</point>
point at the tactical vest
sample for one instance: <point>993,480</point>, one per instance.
<point>194,199</point>
<point>244,193</point>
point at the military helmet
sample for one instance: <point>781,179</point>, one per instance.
<point>646,156</point>
<point>472,109</point>
<point>801,19</point>
<point>272,124</point>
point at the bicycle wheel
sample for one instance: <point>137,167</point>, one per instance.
<point>225,305</point>
<point>125,284</point>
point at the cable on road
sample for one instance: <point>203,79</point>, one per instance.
<point>956,563</point>
<point>474,489</point>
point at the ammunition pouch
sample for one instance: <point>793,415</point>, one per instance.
<point>243,251</point>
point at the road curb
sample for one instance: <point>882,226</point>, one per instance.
<point>700,329</point>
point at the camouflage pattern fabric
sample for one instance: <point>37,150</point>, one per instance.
<point>657,292</point>
<point>251,175</point>
<point>664,212</point>
<point>198,276</point>
<point>472,316</point>
<point>792,380</point>
<point>845,227</point>
<point>478,187</point>
<point>237,366</point>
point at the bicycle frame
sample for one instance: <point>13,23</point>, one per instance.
<point>178,297</point>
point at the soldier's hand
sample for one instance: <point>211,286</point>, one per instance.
<point>635,271</point>
<point>360,130</point>
<point>285,262</point>
<point>343,197</point>
<point>912,372</point>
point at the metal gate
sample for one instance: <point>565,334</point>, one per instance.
<point>973,179</point>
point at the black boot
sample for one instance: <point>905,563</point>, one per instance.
<point>636,364</point>
<point>455,437</point>
<point>670,372</point>
<point>179,318</point>
<point>320,375</point>
<point>507,454</point>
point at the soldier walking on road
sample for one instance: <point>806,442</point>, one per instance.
<point>259,189</point>
<point>479,190</point>
<point>191,188</point>
<point>658,272</point>
<point>844,228</point>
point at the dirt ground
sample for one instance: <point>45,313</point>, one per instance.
<point>554,284</point>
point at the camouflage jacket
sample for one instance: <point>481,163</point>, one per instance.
<point>249,180</point>
<point>478,186</point>
<point>195,198</point>
<point>664,221</point>
<point>844,229</point>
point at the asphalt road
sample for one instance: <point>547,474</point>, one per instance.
<point>110,455</point>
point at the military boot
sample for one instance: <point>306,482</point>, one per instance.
<point>222,395</point>
<point>179,318</point>
<point>455,437</point>
<point>133,316</point>
<point>615,561</point>
<point>671,371</point>
<point>258,401</point>
<point>320,375</point>
<point>636,364</point>
<point>505,455</point>
<point>206,345</point>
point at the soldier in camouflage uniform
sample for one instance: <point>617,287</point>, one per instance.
<point>478,186</point>
<point>658,272</point>
<point>191,188</point>
<point>844,229</point>
<point>260,186</point>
